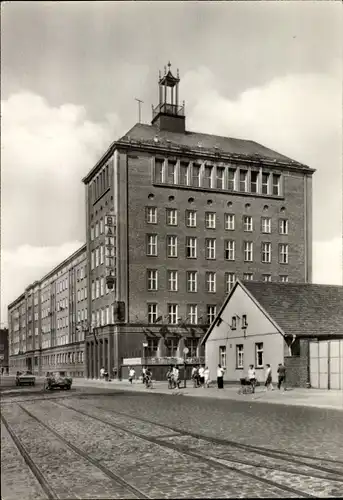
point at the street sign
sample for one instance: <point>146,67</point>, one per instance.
<point>186,350</point>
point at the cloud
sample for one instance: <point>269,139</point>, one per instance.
<point>328,262</point>
<point>26,264</point>
<point>299,115</point>
<point>46,151</point>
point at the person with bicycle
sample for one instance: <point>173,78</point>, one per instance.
<point>148,378</point>
<point>252,377</point>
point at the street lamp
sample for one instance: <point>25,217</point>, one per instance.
<point>145,345</point>
<point>185,352</point>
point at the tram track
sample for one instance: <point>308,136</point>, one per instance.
<point>211,461</point>
<point>294,458</point>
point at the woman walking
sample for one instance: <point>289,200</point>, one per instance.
<point>207,377</point>
<point>220,377</point>
<point>269,379</point>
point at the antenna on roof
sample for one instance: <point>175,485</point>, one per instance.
<point>139,108</point>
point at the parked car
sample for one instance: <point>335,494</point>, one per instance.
<point>25,378</point>
<point>58,380</point>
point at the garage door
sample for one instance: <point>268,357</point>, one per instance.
<point>326,364</point>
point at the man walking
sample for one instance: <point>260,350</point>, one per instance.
<point>269,378</point>
<point>281,372</point>
<point>252,377</point>
<point>220,376</point>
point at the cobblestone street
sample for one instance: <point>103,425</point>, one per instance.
<point>88,443</point>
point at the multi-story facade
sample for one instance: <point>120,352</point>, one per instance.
<point>4,350</point>
<point>46,323</point>
<point>173,218</point>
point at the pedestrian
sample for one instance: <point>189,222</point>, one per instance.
<point>207,377</point>
<point>252,377</point>
<point>132,374</point>
<point>176,375</point>
<point>281,371</point>
<point>195,376</point>
<point>201,376</point>
<point>148,378</point>
<point>144,370</point>
<point>115,371</point>
<point>220,377</point>
<point>102,372</point>
<point>269,378</point>
<point>170,377</point>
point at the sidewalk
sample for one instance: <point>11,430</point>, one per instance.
<point>317,398</point>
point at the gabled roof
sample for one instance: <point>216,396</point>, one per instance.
<point>228,145</point>
<point>301,309</point>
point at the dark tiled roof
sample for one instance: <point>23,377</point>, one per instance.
<point>146,133</point>
<point>301,309</point>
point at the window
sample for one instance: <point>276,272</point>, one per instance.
<point>92,260</point>
<point>151,215</point>
<point>159,170</point>
<point>265,183</point>
<point>78,295</point>
<point>283,253</point>
<point>196,175</point>
<point>192,314</point>
<point>229,222</point>
<point>259,355</point>
<point>172,281</point>
<point>230,279</point>
<point>248,276</point>
<point>152,313</point>
<point>248,251</point>
<point>266,252</point>
<point>253,181</point>
<point>192,285</point>
<point>172,246</point>
<point>78,316</point>
<point>239,356</point>
<point>102,317</point>
<point>266,224</point>
<point>93,290</point>
<point>220,178</point>
<point>152,279</point>
<point>211,313</point>
<point>171,177</point>
<point>171,216</point>
<point>283,226</point>
<point>86,314</point>
<point>243,180</point>
<point>222,356</point>
<point>191,247</point>
<point>85,293</point>
<point>173,313</point>
<point>229,250</point>
<point>267,277</point>
<point>191,218</point>
<point>210,244</point>
<point>152,346</point>
<point>102,286</point>
<point>152,244</point>
<point>283,278</point>
<point>97,288</point>
<point>92,233</point>
<point>210,220</point>
<point>211,282</point>
<point>207,182</point>
<point>231,184</point>
<point>192,344</point>
<point>184,173</point>
<point>101,225</point>
<point>172,344</point>
<point>102,253</point>
<point>96,257</point>
<point>247,223</point>
<point>96,229</point>
<point>276,184</point>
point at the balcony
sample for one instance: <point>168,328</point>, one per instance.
<point>168,109</point>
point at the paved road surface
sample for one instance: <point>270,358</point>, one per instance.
<point>90,443</point>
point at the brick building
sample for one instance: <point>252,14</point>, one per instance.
<point>47,322</point>
<point>173,219</point>
<point>300,325</point>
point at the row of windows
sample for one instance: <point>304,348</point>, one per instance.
<point>191,249</point>
<point>171,344</point>
<point>104,316</point>
<point>63,358</point>
<point>101,183</point>
<point>173,314</point>
<point>192,280</point>
<point>81,273</point>
<point>82,315</point>
<point>210,221</point>
<point>239,348</point>
<point>62,285</point>
<point>104,253</point>
<point>99,288</point>
<point>62,322</point>
<point>82,294</point>
<point>228,178</point>
<point>97,229</point>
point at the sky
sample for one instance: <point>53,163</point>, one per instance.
<point>265,71</point>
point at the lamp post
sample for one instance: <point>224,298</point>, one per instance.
<point>145,345</point>
<point>185,352</point>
